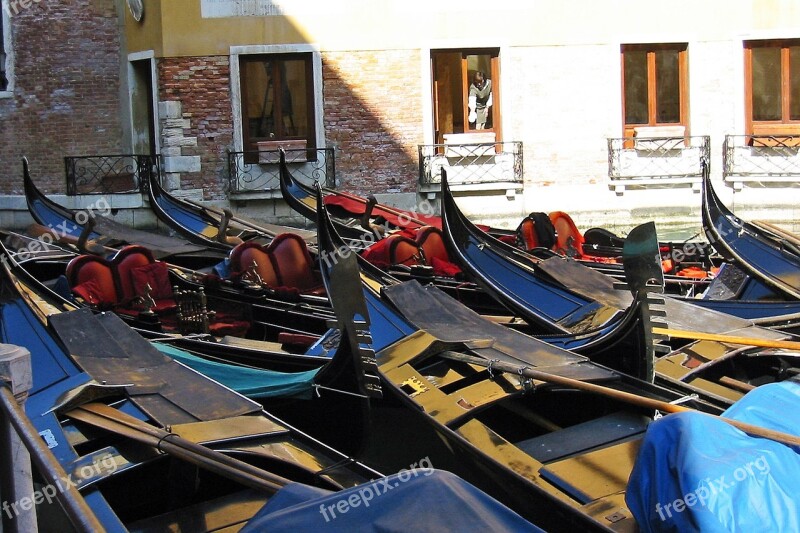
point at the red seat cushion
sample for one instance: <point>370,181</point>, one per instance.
<point>125,261</point>
<point>253,255</point>
<point>431,241</point>
<point>157,276</point>
<point>569,239</point>
<point>154,274</point>
<point>527,235</point>
<point>445,268</point>
<point>90,292</point>
<point>85,268</point>
<point>403,251</point>
<point>293,263</point>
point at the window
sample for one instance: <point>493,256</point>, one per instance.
<point>772,78</point>
<point>460,106</point>
<point>277,101</point>
<point>654,86</point>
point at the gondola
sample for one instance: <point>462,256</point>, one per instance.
<point>274,332</point>
<point>302,198</point>
<point>148,443</point>
<point>215,228</point>
<point>763,254</point>
<point>365,231</point>
<point>531,444</point>
<point>91,230</point>
<point>550,291</point>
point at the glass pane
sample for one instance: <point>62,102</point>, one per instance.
<point>794,82</point>
<point>479,103</point>
<point>276,114</point>
<point>668,87</point>
<point>258,108</point>
<point>766,83</point>
<point>635,65</point>
<point>294,104</point>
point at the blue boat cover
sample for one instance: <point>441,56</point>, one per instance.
<point>411,500</point>
<point>697,473</point>
<point>251,382</point>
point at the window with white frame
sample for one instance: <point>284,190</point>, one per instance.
<point>277,99</point>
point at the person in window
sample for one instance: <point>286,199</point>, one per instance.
<point>480,100</point>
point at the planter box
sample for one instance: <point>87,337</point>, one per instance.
<point>295,151</point>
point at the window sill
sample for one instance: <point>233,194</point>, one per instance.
<point>6,94</point>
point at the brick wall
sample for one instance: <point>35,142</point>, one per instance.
<point>373,117</point>
<point>66,97</point>
<point>202,86</point>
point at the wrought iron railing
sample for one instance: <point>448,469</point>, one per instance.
<point>651,158</point>
<point>761,156</point>
<point>109,174</point>
<point>498,162</point>
<point>259,170</point>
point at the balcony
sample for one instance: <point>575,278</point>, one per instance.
<point>656,161</point>
<point>761,158</point>
<point>470,165</point>
<point>255,174</point>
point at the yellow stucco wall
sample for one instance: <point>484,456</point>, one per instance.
<point>177,28</point>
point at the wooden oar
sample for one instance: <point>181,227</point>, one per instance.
<point>777,230</point>
<point>642,401</point>
<point>113,420</point>
<point>731,339</point>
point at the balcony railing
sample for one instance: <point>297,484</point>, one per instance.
<point>761,158</point>
<point>470,164</point>
<point>109,174</point>
<point>656,160</point>
<point>258,171</point>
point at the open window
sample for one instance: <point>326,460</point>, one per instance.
<point>772,87</point>
<point>655,90</point>
<point>278,104</point>
<point>463,111</point>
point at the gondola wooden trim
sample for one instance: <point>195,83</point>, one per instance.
<point>635,399</point>
<point>731,339</point>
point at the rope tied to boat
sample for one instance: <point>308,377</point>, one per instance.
<point>318,387</point>
<point>525,383</point>
<point>164,438</point>
<point>490,367</point>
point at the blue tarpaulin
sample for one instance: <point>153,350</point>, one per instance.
<point>698,473</point>
<point>412,500</point>
<point>251,382</point>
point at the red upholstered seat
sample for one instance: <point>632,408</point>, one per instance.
<point>284,264</point>
<point>126,260</point>
<point>430,239</point>
<point>569,239</point>
<point>527,234</point>
<point>93,279</point>
<point>251,256</point>
<point>403,251</point>
<point>293,262</point>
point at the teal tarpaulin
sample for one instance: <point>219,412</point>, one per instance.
<point>252,382</point>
